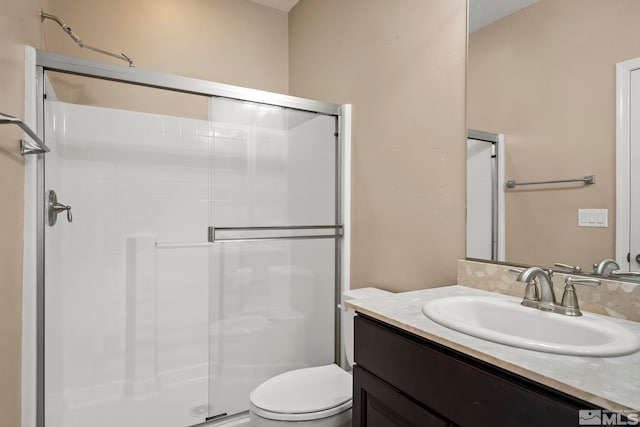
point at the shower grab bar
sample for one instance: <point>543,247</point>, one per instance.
<point>26,147</point>
<point>213,239</point>
<point>589,179</point>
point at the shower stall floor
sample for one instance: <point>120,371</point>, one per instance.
<point>176,405</point>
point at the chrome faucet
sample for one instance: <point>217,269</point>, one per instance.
<point>609,267</point>
<point>606,266</point>
<point>547,298</point>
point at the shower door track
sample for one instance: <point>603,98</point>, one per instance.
<point>154,79</point>
<point>48,61</point>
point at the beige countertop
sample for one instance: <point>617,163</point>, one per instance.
<point>609,382</point>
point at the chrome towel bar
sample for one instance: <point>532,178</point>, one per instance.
<point>26,147</point>
<point>589,179</point>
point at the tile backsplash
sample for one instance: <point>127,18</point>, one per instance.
<point>612,298</point>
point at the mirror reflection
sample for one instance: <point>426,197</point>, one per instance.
<point>542,80</point>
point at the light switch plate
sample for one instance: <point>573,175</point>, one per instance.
<point>593,217</point>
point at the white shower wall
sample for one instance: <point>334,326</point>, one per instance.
<point>125,318</point>
<point>145,320</point>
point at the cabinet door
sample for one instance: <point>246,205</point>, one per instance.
<point>455,386</point>
<point>377,404</point>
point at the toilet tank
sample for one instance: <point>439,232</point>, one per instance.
<point>348,314</point>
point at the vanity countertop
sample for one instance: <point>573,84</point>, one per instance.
<point>610,382</point>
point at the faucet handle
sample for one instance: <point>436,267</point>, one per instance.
<point>570,298</point>
<point>625,273</point>
<point>570,281</point>
<point>573,268</point>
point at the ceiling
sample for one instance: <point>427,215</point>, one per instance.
<point>283,5</point>
<point>481,12</point>
<point>485,12</point>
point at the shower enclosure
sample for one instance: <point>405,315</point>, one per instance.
<point>485,195</point>
<point>196,249</point>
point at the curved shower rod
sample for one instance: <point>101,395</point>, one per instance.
<point>74,36</point>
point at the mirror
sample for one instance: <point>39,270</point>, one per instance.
<point>542,73</point>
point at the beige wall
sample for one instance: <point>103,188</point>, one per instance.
<point>230,41</point>
<point>18,26</point>
<point>545,77</point>
<point>402,66</point>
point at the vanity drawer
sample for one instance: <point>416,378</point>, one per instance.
<point>458,388</point>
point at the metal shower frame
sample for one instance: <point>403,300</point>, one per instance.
<point>47,61</point>
<point>494,140</point>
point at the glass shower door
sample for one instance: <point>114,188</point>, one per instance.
<point>274,242</point>
<point>126,282</point>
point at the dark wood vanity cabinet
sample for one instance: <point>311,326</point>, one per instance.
<point>401,379</point>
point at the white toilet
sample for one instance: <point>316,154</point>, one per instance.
<point>318,396</point>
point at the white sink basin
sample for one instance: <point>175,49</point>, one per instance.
<point>505,321</point>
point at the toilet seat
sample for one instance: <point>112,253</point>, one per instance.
<point>303,394</point>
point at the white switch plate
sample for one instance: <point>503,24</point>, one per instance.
<point>593,217</point>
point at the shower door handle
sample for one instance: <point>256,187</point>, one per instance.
<point>337,233</point>
<point>55,208</point>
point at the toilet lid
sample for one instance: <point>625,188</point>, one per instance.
<point>322,388</point>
